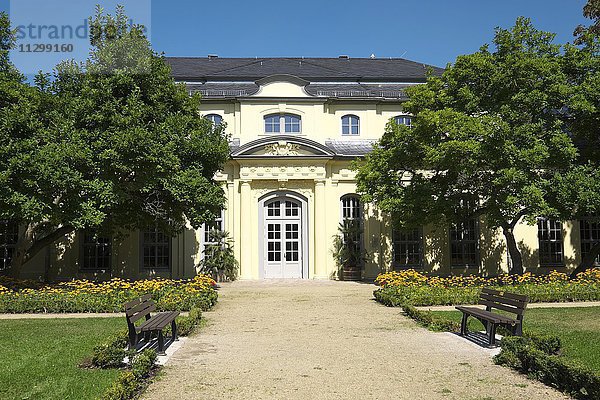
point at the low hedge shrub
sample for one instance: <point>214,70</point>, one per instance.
<point>131,381</point>
<point>111,353</point>
<point>538,359</point>
<point>429,320</point>
<point>109,296</point>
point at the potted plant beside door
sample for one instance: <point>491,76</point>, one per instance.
<point>219,259</point>
<point>348,250</point>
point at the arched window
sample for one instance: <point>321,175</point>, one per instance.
<point>286,123</point>
<point>216,119</point>
<point>350,125</point>
<point>403,120</point>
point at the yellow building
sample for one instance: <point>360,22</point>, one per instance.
<point>296,125</point>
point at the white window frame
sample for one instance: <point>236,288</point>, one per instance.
<point>350,124</point>
<point>206,228</point>
<point>212,117</point>
<point>94,245</point>
<point>282,124</point>
<point>398,241</point>
<point>404,118</point>
<point>462,242</point>
<point>355,213</point>
<point>155,244</point>
<point>547,226</point>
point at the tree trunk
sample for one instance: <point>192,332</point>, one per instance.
<point>513,251</point>
<point>24,242</point>
<point>29,245</point>
<point>588,260</point>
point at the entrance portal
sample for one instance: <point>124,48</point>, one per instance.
<point>283,233</point>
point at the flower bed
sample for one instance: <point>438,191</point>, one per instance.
<point>412,287</point>
<point>110,296</point>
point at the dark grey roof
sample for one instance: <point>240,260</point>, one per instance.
<point>234,145</point>
<point>350,148</point>
<point>224,89</point>
<point>311,69</point>
<point>357,90</point>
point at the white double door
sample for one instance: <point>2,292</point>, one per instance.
<point>283,239</point>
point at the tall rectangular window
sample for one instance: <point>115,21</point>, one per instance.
<point>590,235</point>
<point>156,249</point>
<point>96,252</point>
<point>550,242</point>
<point>408,248</point>
<point>209,227</point>
<point>272,124</point>
<point>352,218</point>
<point>350,208</point>
<point>9,234</point>
<point>464,244</point>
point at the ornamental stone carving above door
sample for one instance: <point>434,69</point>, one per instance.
<point>282,148</point>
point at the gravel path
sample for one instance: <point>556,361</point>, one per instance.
<point>328,340</point>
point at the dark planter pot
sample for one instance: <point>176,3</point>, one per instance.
<point>351,273</point>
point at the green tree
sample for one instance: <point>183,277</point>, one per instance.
<point>582,117</point>
<point>592,11</point>
<point>487,139</point>
<point>119,146</point>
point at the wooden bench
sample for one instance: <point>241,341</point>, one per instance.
<point>141,308</point>
<point>495,299</point>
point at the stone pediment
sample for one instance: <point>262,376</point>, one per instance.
<point>281,146</point>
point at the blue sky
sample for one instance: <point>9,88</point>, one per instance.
<point>429,31</point>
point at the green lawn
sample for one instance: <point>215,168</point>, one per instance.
<point>578,328</point>
<point>39,358</point>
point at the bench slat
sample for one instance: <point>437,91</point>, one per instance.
<point>503,300</point>
<point>488,315</point>
<point>149,307</point>
<point>159,321</point>
<point>139,308</point>
<point>503,307</point>
<point>133,303</point>
<point>513,296</point>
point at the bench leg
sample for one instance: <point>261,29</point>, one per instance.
<point>132,341</point>
<point>518,330</point>
<point>161,343</point>
<point>463,325</point>
<point>492,333</point>
<point>174,330</point>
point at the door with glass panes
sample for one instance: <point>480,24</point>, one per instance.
<point>283,238</point>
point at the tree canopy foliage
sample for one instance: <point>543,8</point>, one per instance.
<point>487,139</point>
<point>113,144</point>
